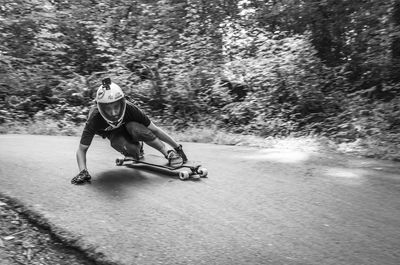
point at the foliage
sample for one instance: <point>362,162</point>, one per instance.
<point>292,67</point>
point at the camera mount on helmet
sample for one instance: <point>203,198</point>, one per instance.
<point>106,83</point>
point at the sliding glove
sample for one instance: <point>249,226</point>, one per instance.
<point>81,178</point>
<point>180,152</point>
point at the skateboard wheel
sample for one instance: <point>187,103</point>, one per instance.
<point>203,172</point>
<point>119,162</point>
<point>183,175</point>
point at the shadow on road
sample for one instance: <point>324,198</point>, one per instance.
<point>114,182</point>
<point>118,177</point>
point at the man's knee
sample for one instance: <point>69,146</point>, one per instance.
<point>139,132</point>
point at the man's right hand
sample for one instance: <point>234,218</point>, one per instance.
<point>81,178</point>
<point>180,152</point>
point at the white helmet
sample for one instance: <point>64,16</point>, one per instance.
<point>111,102</point>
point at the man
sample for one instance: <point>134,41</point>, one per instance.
<point>126,126</point>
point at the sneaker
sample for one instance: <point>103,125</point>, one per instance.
<point>141,151</point>
<point>137,155</point>
<point>174,160</point>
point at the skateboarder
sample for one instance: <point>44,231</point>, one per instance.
<point>126,126</point>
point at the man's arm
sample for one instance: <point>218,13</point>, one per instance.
<point>163,136</point>
<point>81,156</point>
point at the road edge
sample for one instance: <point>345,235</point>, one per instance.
<point>67,238</point>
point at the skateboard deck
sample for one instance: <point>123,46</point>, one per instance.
<point>188,170</point>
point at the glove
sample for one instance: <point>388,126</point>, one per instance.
<point>81,178</point>
<point>180,152</point>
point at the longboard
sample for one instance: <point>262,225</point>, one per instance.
<point>189,170</point>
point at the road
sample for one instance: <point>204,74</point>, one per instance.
<point>258,206</point>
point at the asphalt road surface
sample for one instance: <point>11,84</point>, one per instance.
<point>258,206</point>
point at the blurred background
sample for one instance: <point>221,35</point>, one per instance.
<point>326,69</point>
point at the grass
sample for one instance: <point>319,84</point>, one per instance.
<point>42,127</point>
<point>369,147</point>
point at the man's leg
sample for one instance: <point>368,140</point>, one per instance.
<point>120,141</point>
<point>174,159</point>
<point>139,132</point>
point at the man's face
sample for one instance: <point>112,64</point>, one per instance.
<point>113,110</point>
